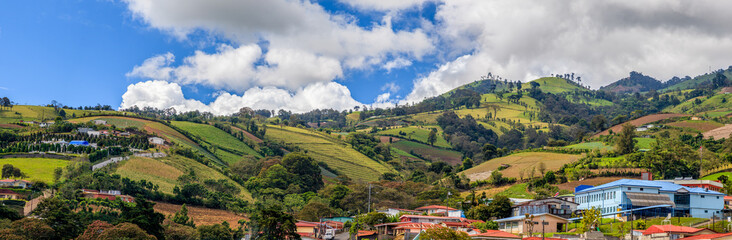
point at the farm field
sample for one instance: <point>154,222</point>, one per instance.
<point>522,162</point>
<point>640,121</point>
<point>429,153</point>
<point>717,113</point>
<point>165,172</point>
<point>719,101</point>
<point>699,125</point>
<point>200,215</point>
<point>553,85</point>
<point>418,133</point>
<point>40,169</point>
<point>219,138</point>
<point>336,154</point>
<point>720,132</point>
<point>590,145</point>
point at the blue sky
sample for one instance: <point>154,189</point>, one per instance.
<point>299,55</point>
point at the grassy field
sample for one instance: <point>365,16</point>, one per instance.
<point>40,169</point>
<point>165,172</point>
<point>418,133</point>
<point>590,145</point>
<point>717,175</point>
<point>336,154</point>
<point>554,85</point>
<point>219,138</point>
<point>38,113</point>
<point>429,153</point>
<point>522,162</point>
<point>698,125</point>
<point>641,121</point>
<point>719,101</point>
<point>645,143</point>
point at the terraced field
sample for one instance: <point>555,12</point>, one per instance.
<point>218,138</point>
<point>40,169</point>
<point>520,162</point>
<point>429,153</point>
<point>641,121</point>
<point>165,171</point>
<point>590,145</point>
<point>336,154</point>
<point>418,133</point>
<point>720,132</point>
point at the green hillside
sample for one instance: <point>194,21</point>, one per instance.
<point>37,113</point>
<point>337,154</point>
<point>417,133</point>
<point>40,169</point>
<point>228,148</point>
<point>718,102</point>
<point>555,85</point>
<point>692,83</point>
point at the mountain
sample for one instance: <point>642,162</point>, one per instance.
<point>636,82</point>
<point>696,82</point>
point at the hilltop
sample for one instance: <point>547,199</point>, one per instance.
<point>636,82</point>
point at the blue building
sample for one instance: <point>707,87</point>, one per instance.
<point>79,143</point>
<point>627,194</point>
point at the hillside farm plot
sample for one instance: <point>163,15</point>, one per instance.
<point>698,125</point>
<point>200,215</point>
<point>645,143</point>
<point>219,138</point>
<point>37,113</point>
<point>418,133</point>
<point>429,153</point>
<point>716,176</point>
<point>522,162</point>
<point>641,121</point>
<point>40,169</point>
<point>337,154</point>
<point>165,172</point>
<point>720,132</point>
<point>590,145</point>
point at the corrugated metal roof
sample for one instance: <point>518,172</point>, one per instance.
<point>662,186</point>
<point>648,199</point>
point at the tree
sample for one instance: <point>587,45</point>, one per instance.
<point>176,231</point>
<point>126,231</point>
<point>94,230</point>
<point>625,143</point>
<point>314,210</point>
<point>62,113</point>
<point>542,168</point>
<point>500,207</point>
<point>181,217</point>
<point>215,232</point>
<point>467,163</point>
<point>305,169</point>
<point>143,215</point>
<point>271,223</point>
<point>61,217</point>
<point>489,151</point>
<point>590,220</point>
<point>57,172</point>
<point>432,137</point>
<point>374,218</point>
<point>9,171</point>
<point>443,233</point>
<point>32,228</point>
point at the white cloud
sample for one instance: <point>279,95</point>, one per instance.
<point>396,64</point>
<point>390,87</point>
<point>157,67</point>
<point>601,41</point>
<point>384,4</point>
<point>161,94</point>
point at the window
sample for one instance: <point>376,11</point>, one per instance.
<point>702,196</point>
<point>706,211</point>
<point>641,189</point>
<point>628,189</point>
<point>717,197</point>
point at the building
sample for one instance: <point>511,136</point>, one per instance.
<point>494,234</point>
<point>94,133</point>
<point>8,194</point>
<point>363,234</point>
<point>727,202</point>
<point>414,228</point>
<point>15,183</point>
<point>715,236</point>
<point>518,224</point>
<point>99,122</point>
<point>109,195</point>
<point>79,143</point>
<point>428,219</point>
<point>628,194</point>
<point>337,219</point>
<point>671,232</point>
<point>554,206</point>
<point>156,140</point>
<point>433,209</point>
<point>392,212</point>
<point>567,197</point>
<point>705,184</point>
<point>306,229</point>
<point>84,130</point>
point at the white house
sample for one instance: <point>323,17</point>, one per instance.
<point>99,122</point>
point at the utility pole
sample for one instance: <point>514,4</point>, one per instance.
<point>543,222</point>
<point>369,207</point>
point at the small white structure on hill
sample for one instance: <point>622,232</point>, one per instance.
<point>156,140</point>
<point>99,122</point>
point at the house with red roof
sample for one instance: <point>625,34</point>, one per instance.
<point>716,236</point>
<point>494,234</point>
<point>428,219</point>
<point>15,183</point>
<point>727,202</point>
<point>363,234</point>
<point>413,228</point>
<point>109,195</point>
<point>306,229</point>
<point>671,232</point>
<point>8,194</point>
<point>540,238</point>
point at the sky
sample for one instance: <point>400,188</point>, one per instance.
<point>299,55</point>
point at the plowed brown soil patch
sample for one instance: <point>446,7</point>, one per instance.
<point>199,215</point>
<point>641,121</point>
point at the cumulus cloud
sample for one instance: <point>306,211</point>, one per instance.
<point>396,64</point>
<point>161,94</point>
<point>601,41</point>
<point>390,87</point>
<point>157,67</point>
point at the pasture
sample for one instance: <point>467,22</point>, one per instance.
<point>698,125</point>
<point>418,133</point>
<point>590,145</point>
<point>40,169</point>
<point>429,153</point>
<point>336,153</point>
<point>217,138</point>
<point>641,121</point>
